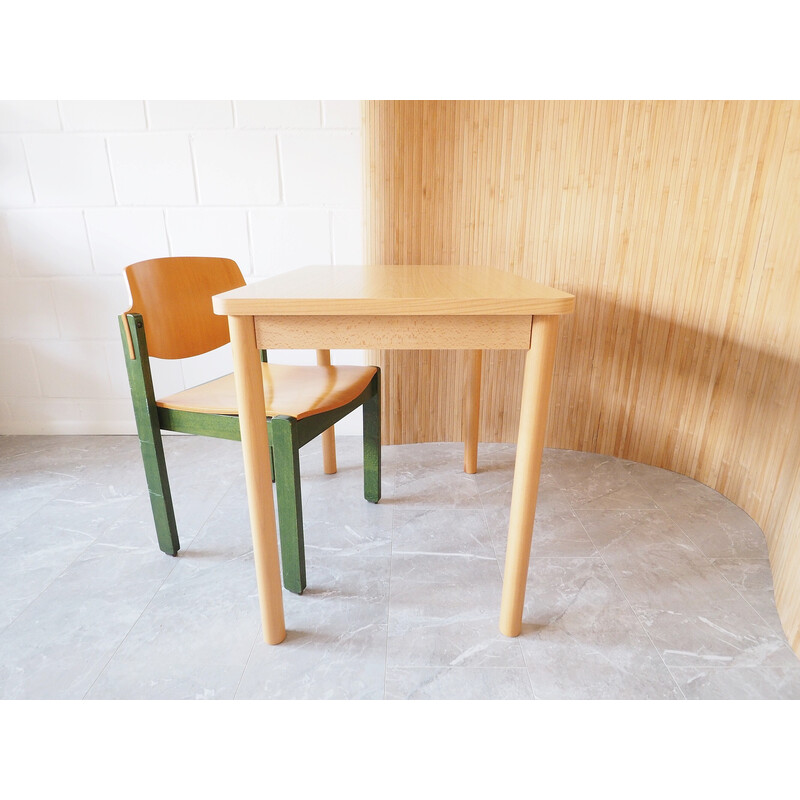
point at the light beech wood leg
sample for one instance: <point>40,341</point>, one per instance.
<point>328,436</point>
<point>255,448</point>
<point>536,384</point>
<point>472,412</point>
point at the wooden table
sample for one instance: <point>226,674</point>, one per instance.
<point>400,308</point>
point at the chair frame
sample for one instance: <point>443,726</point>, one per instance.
<point>286,436</point>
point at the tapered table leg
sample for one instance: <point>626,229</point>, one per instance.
<point>328,436</point>
<point>472,412</point>
<point>536,384</point>
<point>255,448</point>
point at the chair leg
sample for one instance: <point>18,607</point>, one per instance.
<point>286,454</point>
<point>149,430</point>
<point>155,468</point>
<point>372,442</point>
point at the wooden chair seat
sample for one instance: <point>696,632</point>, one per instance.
<point>293,391</point>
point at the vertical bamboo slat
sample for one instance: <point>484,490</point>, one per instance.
<point>677,226</point>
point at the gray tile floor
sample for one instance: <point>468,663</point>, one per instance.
<point>643,584</point>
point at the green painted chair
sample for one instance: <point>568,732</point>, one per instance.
<point>171,317</point>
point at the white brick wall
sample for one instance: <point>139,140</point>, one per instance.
<point>88,187</point>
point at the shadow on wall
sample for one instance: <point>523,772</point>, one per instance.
<point>637,385</point>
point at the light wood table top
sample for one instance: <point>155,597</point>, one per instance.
<point>394,290</point>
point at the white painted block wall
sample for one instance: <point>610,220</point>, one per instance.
<point>87,188</point>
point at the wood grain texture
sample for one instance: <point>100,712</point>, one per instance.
<point>255,449</point>
<point>394,290</point>
<point>446,333</point>
<point>173,296</point>
<point>293,391</point>
<point>676,224</point>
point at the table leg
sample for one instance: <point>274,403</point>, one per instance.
<point>255,448</point>
<point>328,436</point>
<point>472,412</point>
<point>536,384</point>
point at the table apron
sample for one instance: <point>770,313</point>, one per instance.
<point>384,332</point>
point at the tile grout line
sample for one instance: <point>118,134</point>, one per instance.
<point>149,602</point>
<point>77,555</point>
<point>755,610</point>
<point>501,570</point>
<point>247,663</point>
<point>128,632</point>
<point>624,593</point>
<point>716,569</point>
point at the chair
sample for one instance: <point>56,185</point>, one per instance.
<point>171,317</point>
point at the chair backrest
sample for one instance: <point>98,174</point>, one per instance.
<point>173,295</point>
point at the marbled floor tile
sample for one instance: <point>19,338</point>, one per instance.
<point>556,530</point>
<point>496,494</point>
<point>719,528</point>
<point>725,633</point>
<point>189,452</point>
<point>110,460</point>
<point>196,492</point>
<point>25,491</point>
<point>370,524</point>
<point>348,534</point>
<point>456,532</point>
<point>189,626</point>
<point>436,480</point>
<point>752,578</point>
<point>73,456</point>
<point>495,473</point>
<point>135,529</point>
<point>85,507</point>
<point>628,535</point>
<point>31,558</point>
<point>335,645</point>
<point>349,592</point>
<point>225,536</point>
<point>597,482</point>
<point>691,613</point>
<point>57,647</point>
<point>738,683</point>
<point>444,611</point>
<point>448,489</point>
<point>655,564</point>
<point>716,525</point>
<point>193,505</point>
<point>51,537</point>
<point>457,683</point>
<point>556,533</point>
<point>335,663</point>
<point>581,640</point>
<point>193,639</point>
<point>409,461</point>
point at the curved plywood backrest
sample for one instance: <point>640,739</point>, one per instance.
<point>173,295</point>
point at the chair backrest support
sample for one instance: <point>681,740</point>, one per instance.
<point>173,295</point>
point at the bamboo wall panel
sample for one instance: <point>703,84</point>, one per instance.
<point>677,227</point>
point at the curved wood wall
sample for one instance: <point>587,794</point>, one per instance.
<point>677,227</point>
